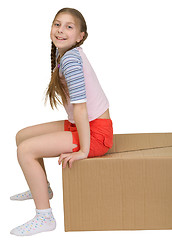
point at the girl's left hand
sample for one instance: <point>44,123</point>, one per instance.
<point>71,157</point>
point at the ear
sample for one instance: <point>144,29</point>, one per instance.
<point>81,35</point>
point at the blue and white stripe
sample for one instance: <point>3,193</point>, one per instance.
<point>72,69</point>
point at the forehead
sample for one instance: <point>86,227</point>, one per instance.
<point>66,17</point>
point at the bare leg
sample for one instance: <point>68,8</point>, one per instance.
<point>32,149</point>
<point>41,162</point>
<point>38,130</point>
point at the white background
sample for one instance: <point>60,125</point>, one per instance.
<point>129,47</point>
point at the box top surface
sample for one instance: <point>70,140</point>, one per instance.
<point>165,152</point>
<point>138,141</point>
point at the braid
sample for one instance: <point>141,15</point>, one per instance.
<point>56,88</point>
<point>53,56</point>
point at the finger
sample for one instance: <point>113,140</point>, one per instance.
<point>62,156</point>
<point>65,161</point>
<point>70,162</point>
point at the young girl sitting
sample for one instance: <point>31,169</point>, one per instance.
<point>88,132</point>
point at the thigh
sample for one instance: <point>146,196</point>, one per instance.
<point>40,129</point>
<point>47,145</point>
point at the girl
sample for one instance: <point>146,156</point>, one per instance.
<point>88,132</point>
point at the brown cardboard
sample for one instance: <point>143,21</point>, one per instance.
<point>137,141</point>
<point>129,189</point>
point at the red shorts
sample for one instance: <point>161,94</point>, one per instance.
<point>101,136</point>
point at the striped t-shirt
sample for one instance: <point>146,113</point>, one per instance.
<point>82,84</point>
<point>72,69</point>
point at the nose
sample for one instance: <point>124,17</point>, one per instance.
<point>60,29</point>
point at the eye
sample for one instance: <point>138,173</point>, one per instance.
<point>57,24</point>
<point>69,26</point>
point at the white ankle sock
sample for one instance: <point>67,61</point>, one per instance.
<point>28,195</point>
<point>43,221</point>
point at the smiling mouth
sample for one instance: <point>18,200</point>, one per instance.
<point>60,38</point>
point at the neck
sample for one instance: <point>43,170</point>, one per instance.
<point>62,51</point>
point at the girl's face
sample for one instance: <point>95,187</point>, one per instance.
<point>65,32</point>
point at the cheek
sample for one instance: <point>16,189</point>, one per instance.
<point>73,38</point>
<point>52,32</point>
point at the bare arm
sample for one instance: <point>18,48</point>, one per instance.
<point>80,115</point>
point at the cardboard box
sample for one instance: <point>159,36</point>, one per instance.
<point>129,188</point>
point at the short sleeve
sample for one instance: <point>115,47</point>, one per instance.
<point>72,69</point>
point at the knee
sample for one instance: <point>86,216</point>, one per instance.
<point>23,152</point>
<point>19,137</point>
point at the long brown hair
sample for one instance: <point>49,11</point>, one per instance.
<point>56,88</point>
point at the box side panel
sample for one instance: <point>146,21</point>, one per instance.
<point>118,194</point>
<point>66,198</point>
